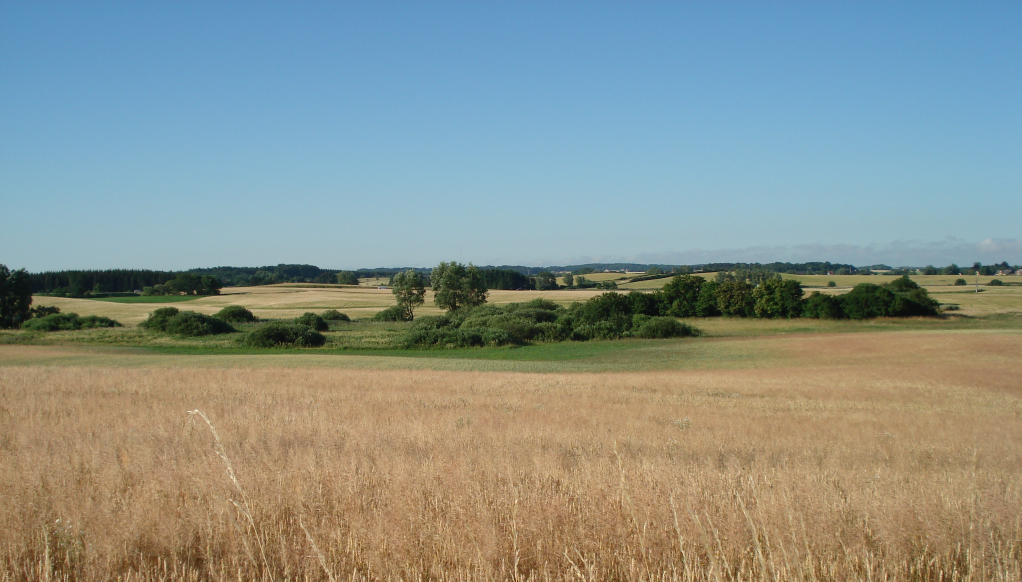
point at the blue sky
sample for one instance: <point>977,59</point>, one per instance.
<point>188,134</point>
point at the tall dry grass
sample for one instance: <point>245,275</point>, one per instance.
<point>860,472</point>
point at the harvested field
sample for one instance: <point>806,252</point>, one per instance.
<point>866,456</point>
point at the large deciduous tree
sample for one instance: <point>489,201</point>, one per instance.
<point>15,297</point>
<point>455,286</point>
<point>410,291</point>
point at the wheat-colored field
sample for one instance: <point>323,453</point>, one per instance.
<point>891,456</point>
<point>287,301</point>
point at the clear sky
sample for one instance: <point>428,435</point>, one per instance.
<point>171,135</point>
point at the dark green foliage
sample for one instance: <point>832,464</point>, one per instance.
<point>334,315</point>
<point>951,269</point>
<point>192,284</point>
<point>409,290</point>
<point>53,322</point>
<point>456,286</point>
<point>158,319</point>
<point>734,299</point>
<point>312,320</point>
<point>506,279</point>
<point>546,281</point>
<point>185,323</point>
<point>605,316</point>
<point>43,311</point>
<point>67,321</point>
<point>820,306</point>
<point>831,284</point>
<point>392,313</point>
<point>995,283</point>
<point>902,285</point>
<point>235,313</point>
<point>660,327</point>
<point>192,324</point>
<point>514,324</point>
<point>281,334</point>
<point>347,278</point>
<point>78,283</point>
<point>868,301</point>
<point>681,295</point>
<point>90,321</point>
<point>706,306</point>
<point>651,304</point>
<point>15,297</point>
<point>916,302</point>
<point>930,270</point>
<point>776,298</point>
<point>960,282</point>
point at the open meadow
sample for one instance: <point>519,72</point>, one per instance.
<point>763,450</point>
<point>889,455</point>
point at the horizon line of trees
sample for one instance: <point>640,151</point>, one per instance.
<point>79,282</point>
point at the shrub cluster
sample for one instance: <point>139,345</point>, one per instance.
<point>235,313</point>
<point>185,323</point>
<point>334,315</point>
<point>284,334</point>
<point>607,316</point>
<point>67,321</point>
<point>312,320</point>
<point>392,313</point>
<point>692,296</point>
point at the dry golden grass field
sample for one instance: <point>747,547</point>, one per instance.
<point>862,456</point>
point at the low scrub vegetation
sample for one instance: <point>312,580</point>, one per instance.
<point>691,296</point>
<point>67,321</point>
<point>235,313</point>
<point>284,334</point>
<point>608,316</point>
<point>312,320</point>
<point>334,315</point>
<point>185,323</point>
<point>393,313</point>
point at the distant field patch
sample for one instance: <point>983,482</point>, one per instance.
<point>148,299</point>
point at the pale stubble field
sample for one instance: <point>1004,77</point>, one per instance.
<point>891,456</point>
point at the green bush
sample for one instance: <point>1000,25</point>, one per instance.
<point>902,285</point>
<point>53,322</point>
<point>90,321</point>
<point>734,299</point>
<point>282,334</point>
<point>192,324</point>
<point>158,319</point>
<point>312,320</point>
<point>660,327</point>
<point>393,313</point>
<point>820,306</point>
<point>831,284</point>
<point>334,315</point>
<point>347,278</point>
<point>778,298</point>
<point>995,283</point>
<point>235,313</point>
<point>67,321</point>
<point>960,282</point>
<point>43,311</point>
